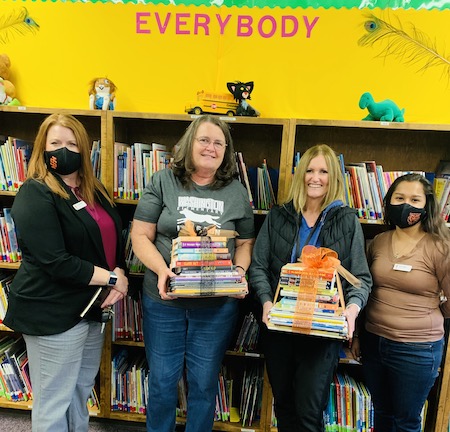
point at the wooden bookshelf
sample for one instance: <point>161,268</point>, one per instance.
<point>400,146</point>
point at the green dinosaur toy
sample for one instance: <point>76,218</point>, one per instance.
<point>382,111</point>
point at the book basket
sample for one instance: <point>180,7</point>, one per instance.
<point>309,298</point>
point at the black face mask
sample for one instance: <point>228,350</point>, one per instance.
<point>62,161</point>
<point>405,215</point>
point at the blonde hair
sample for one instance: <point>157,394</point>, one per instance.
<point>298,194</point>
<point>37,168</point>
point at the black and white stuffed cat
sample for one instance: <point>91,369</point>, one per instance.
<point>241,92</point>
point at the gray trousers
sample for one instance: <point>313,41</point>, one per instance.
<point>63,368</point>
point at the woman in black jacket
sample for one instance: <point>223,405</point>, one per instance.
<point>70,236</point>
<point>300,367</point>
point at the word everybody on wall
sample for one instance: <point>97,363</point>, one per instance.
<point>267,26</point>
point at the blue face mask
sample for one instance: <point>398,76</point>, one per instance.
<point>405,215</point>
<point>62,161</point>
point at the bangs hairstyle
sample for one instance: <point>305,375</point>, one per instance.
<point>37,168</point>
<point>298,191</point>
<point>432,223</point>
<point>183,165</point>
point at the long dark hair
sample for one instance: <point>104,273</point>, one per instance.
<point>432,223</point>
<point>183,165</point>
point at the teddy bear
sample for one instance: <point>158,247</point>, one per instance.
<point>102,94</point>
<point>8,93</point>
<point>7,88</point>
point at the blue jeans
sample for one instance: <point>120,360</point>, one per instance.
<point>175,337</point>
<point>399,376</point>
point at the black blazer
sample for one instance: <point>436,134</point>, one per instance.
<point>60,246</point>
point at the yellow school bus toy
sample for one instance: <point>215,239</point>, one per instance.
<point>213,103</point>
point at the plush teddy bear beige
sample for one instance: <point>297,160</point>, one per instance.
<point>7,88</point>
<point>5,66</point>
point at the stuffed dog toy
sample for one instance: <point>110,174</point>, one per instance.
<point>102,94</point>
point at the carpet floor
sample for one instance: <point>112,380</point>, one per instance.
<point>12,420</point>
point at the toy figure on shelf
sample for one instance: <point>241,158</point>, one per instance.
<point>102,94</point>
<point>8,93</point>
<point>241,92</point>
<point>386,110</point>
<point>7,88</point>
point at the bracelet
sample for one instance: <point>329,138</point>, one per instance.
<point>238,266</point>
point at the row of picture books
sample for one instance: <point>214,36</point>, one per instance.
<point>134,165</point>
<point>366,184</point>
<point>129,390</point>
<point>15,382</point>
<point>349,407</point>
<point>14,157</point>
<point>261,183</point>
<point>9,248</point>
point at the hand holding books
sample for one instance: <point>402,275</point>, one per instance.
<point>309,298</point>
<point>202,265</point>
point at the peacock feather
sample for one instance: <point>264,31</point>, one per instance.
<point>412,47</point>
<point>17,22</point>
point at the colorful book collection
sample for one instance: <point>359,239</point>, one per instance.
<point>127,320</point>
<point>260,182</point>
<point>9,247</point>
<point>349,406</point>
<point>134,165</point>
<point>442,191</point>
<point>203,268</point>
<point>15,154</point>
<point>308,301</point>
<point>366,184</point>
<point>15,383</point>
<point>129,385</point>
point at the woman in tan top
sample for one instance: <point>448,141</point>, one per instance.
<point>403,341</point>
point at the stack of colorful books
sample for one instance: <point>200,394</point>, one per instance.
<point>309,301</point>
<point>203,268</point>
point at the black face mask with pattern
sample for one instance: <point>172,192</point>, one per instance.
<point>62,161</point>
<point>405,215</point>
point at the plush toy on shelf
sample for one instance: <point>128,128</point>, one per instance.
<point>102,94</point>
<point>386,110</point>
<point>8,93</point>
<point>241,93</point>
<point>7,88</point>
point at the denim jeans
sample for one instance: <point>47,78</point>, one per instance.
<point>175,337</point>
<point>399,376</point>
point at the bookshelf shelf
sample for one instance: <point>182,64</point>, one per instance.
<point>394,145</point>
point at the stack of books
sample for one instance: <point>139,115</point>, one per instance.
<point>203,267</point>
<point>309,301</point>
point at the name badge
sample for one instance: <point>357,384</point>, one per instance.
<point>403,267</point>
<point>79,205</point>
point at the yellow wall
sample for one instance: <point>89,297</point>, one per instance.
<point>320,76</point>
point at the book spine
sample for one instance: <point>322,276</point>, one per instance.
<point>199,263</point>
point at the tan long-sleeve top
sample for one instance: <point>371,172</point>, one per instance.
<point>405,306</point>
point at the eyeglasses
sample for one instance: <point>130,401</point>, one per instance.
<point>206,141</point>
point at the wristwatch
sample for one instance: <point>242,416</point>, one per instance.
<point>112,279</point>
